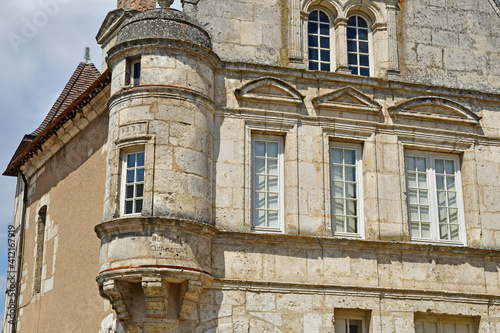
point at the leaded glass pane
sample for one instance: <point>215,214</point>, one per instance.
<point>272,149</point>
<point>344,189</point>
<point>273,221</point>
<point>266,197</point>
<point>272,166</point>
<point>140,159</point>
<point>138,206</point>
<point>131,160</point>
<point>260,165</point>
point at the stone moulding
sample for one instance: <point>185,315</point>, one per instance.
<point>161,263</point>
<point>161,91</point>
<point>426,108</point>
<point>112,21</point>
<point>269,90</point>
<point>347,99</point>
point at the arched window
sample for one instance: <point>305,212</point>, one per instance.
<point>358,54</point>
<point>318,31</point>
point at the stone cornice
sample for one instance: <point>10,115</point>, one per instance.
<point>355,291</point>
<point>379,84</point>
<point>339,243</point>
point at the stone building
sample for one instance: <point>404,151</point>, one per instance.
<point>269,166</point>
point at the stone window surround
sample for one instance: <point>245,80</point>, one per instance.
<point>440,320</point>
<point>353,314</point>
<point>259,129</point>
<point>281,209</point>
<point>41,227</point>
<point>432,192</point>
<point>124,182</point>
<point>359,184</point>
<point>383,33</point>
<point>332,48</point>
<point>128,145</point>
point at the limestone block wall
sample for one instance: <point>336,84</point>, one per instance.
<point>244,31</point>
<point>261,308</point>
<point>171,116</point>
<point>451,43</point>
<point>454,43</point>
<point>384,137</point>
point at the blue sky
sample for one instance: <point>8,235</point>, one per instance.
<point>41,44</point>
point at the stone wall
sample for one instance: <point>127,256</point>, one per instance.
<point>446,43</point>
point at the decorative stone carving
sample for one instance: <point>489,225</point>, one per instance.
<point>347,99</point>
<point>269,90</point>
<point>436,109</point>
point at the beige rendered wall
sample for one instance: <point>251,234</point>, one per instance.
<point>71,185</point>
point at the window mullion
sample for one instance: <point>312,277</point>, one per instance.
<point>434,211</point>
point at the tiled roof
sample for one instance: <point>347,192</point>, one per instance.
<point>85,83</point>
<point>83,77</point>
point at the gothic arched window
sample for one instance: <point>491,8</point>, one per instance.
<point>318,31</point>
<point>358,49</point>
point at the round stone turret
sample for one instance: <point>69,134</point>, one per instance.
<point>157,230</point>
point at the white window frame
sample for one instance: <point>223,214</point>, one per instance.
<point>432,197</point>
<point>347,314</point>
<point>123,185</point>
<point>281,187</point>
<point>442,321</point>
<point>331,36</point>
<point>371,57</point>
<point>359,189</point>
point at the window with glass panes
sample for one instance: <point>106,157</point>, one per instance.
<point>319,41</point>
<point>358,54</point>
<point>266,183</point>
<point>133,183</point>
<point>349,326</point>
<point>434,197</point>
<point>345,189</point>
<point>441,326</point>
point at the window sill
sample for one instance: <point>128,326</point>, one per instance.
<point>347,235</point>
<point>438,242</point>
<point>267,231</point>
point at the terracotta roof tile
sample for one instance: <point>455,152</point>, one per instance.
<point>83,77</point>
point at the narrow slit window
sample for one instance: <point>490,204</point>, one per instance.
<point>319,41</point>
<point>358,48</point>
<point>136,73</point>
<point>133,72</point>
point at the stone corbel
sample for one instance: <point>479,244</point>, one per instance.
<point>113,291</point>
<point>193,290</point>
<point>155,296</point>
